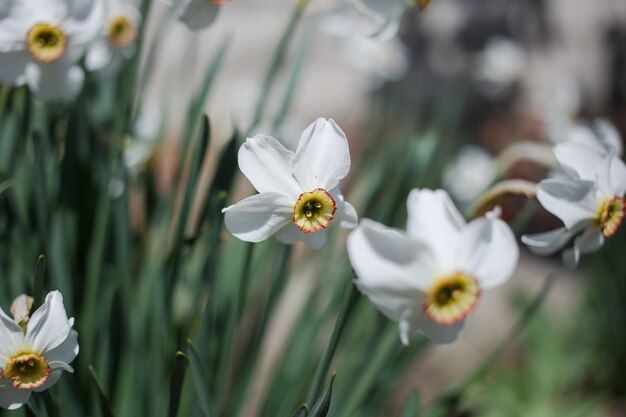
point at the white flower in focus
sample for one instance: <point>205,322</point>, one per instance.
<point>197,14</point>
<point>299,192</point>
<point>430,277</point>
<point>41,42</point>
<point>34,353</point>
<point>502,62</point>
<point>117,39</point>
<point>470,173</point>
<point>588,199</point>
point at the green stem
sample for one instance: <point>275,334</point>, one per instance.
<point>342,318</point>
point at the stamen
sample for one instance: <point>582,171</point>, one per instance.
<point>46,42</point>
<point>314,210</point>
<point>450,299</point>
<point>121,32</point>
<point>610,215</point>
<point>27,371</point>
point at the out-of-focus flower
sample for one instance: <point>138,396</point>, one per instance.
<point>588,198</point>
<point>381,59</point>
<point>299,192</point>
<point>117,39</point>
<point>140,148</point>
<point>469,174</point>
<point>34,353</point>
<point>502,62</point>
<point>384,16</point>
<point>431,277</point>
<point>603,138</point>
<point>197,14</point>
<point>41,41</point>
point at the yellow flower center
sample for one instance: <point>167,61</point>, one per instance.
<point>451,298</point>
<point>27,370</point>
<point>610,215</point>
<point>46,42</point>
<point>314,210</point>
<point>422,4</point>
<point>121,31</point>
<point>219,2</point>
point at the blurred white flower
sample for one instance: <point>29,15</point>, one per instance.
<point>33,354</point>
<point>560,104</point>
<point>469,174</point>
<point>588,198</point>
<point>141,147</point>
<point>41,41</point>
<point>117,39</point>
<point>502,62</point>
<point>383,16</point>
<point>299,192</point>
<point>380,59</point>
<point>603,138</point>
<point>197,14</point>
<point>430,277</point>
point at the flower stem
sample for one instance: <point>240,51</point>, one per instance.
<point>347,308</point>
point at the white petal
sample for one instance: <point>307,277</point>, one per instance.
<point>13,67</point>
<point>66,351</point>
<point>258,217</point>
<point>48,327</point>
<point>432,218</point>
<point>572,201</point>
<point>322,158</point>
<point>609,134</point>
<point>290,234</point>
<point>547,243</point>
<point>53,378</point>
<point>346,216</point>
<point>589,241</point>
<point>413,320</point>
<point>612,176</point>
<point>268,166</point>
<point>10,397</point>
<point>584,160</point>
<point>11,338</point>
<point>571,257</point>
<point>55,81</point>
<point>98,56</point>
<point>489,251</point>
<point>392,270</point>
<point>85,25</point>
<point>199,14</point>
<point>60,366</point>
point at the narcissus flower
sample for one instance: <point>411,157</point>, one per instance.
<point>117,39</point>
<point>34,351</point>
<point>197,14</point>
<point>41,42</point>
<point>430,277</point>
<point>588,199</point>
<point>299,192</point>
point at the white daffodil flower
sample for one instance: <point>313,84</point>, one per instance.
<point>588,199</point>
<point>116,43</point>
<point>41,41</point>
<point>34,352</point>
<point>197,14</point>
<point>470,173</point>
<point>430,277</point>
<point>502,62</point>
<point>299,191</point>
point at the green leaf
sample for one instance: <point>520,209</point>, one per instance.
<point>321,407</point>
<point>40,272</point>
<point>105,404</point>
<point>302,411</point>
<point>199,380</point>
<point>181,363</point>
<point>411,409</point>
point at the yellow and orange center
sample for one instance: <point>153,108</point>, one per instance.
<point>27,371</point>
<point>220,2</point>
<point>610,215</point>
<point>121,31</point>
<point>46,42</point>
<point>451,298</point>
<point>422,4</point>
<point>314,210</point>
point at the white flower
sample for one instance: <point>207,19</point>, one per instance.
<point>34,353</point>
<point>116,43</point>
<point>588,199</point>
<point>299,192</point>
<point>603,138</point>
<point>430,278</point>
<point>41,41</point>
<point>197,14</point>
<point>502,62</point>
<point>470,173</point>
<point>384,16</point>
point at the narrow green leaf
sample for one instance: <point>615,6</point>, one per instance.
<point>199,380</point>
<point>302,411</point>
<point>105,404</point>
<point>321,407</point>
<point>40,272</point>
<point>181,363</point>
<point>411,409</point>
